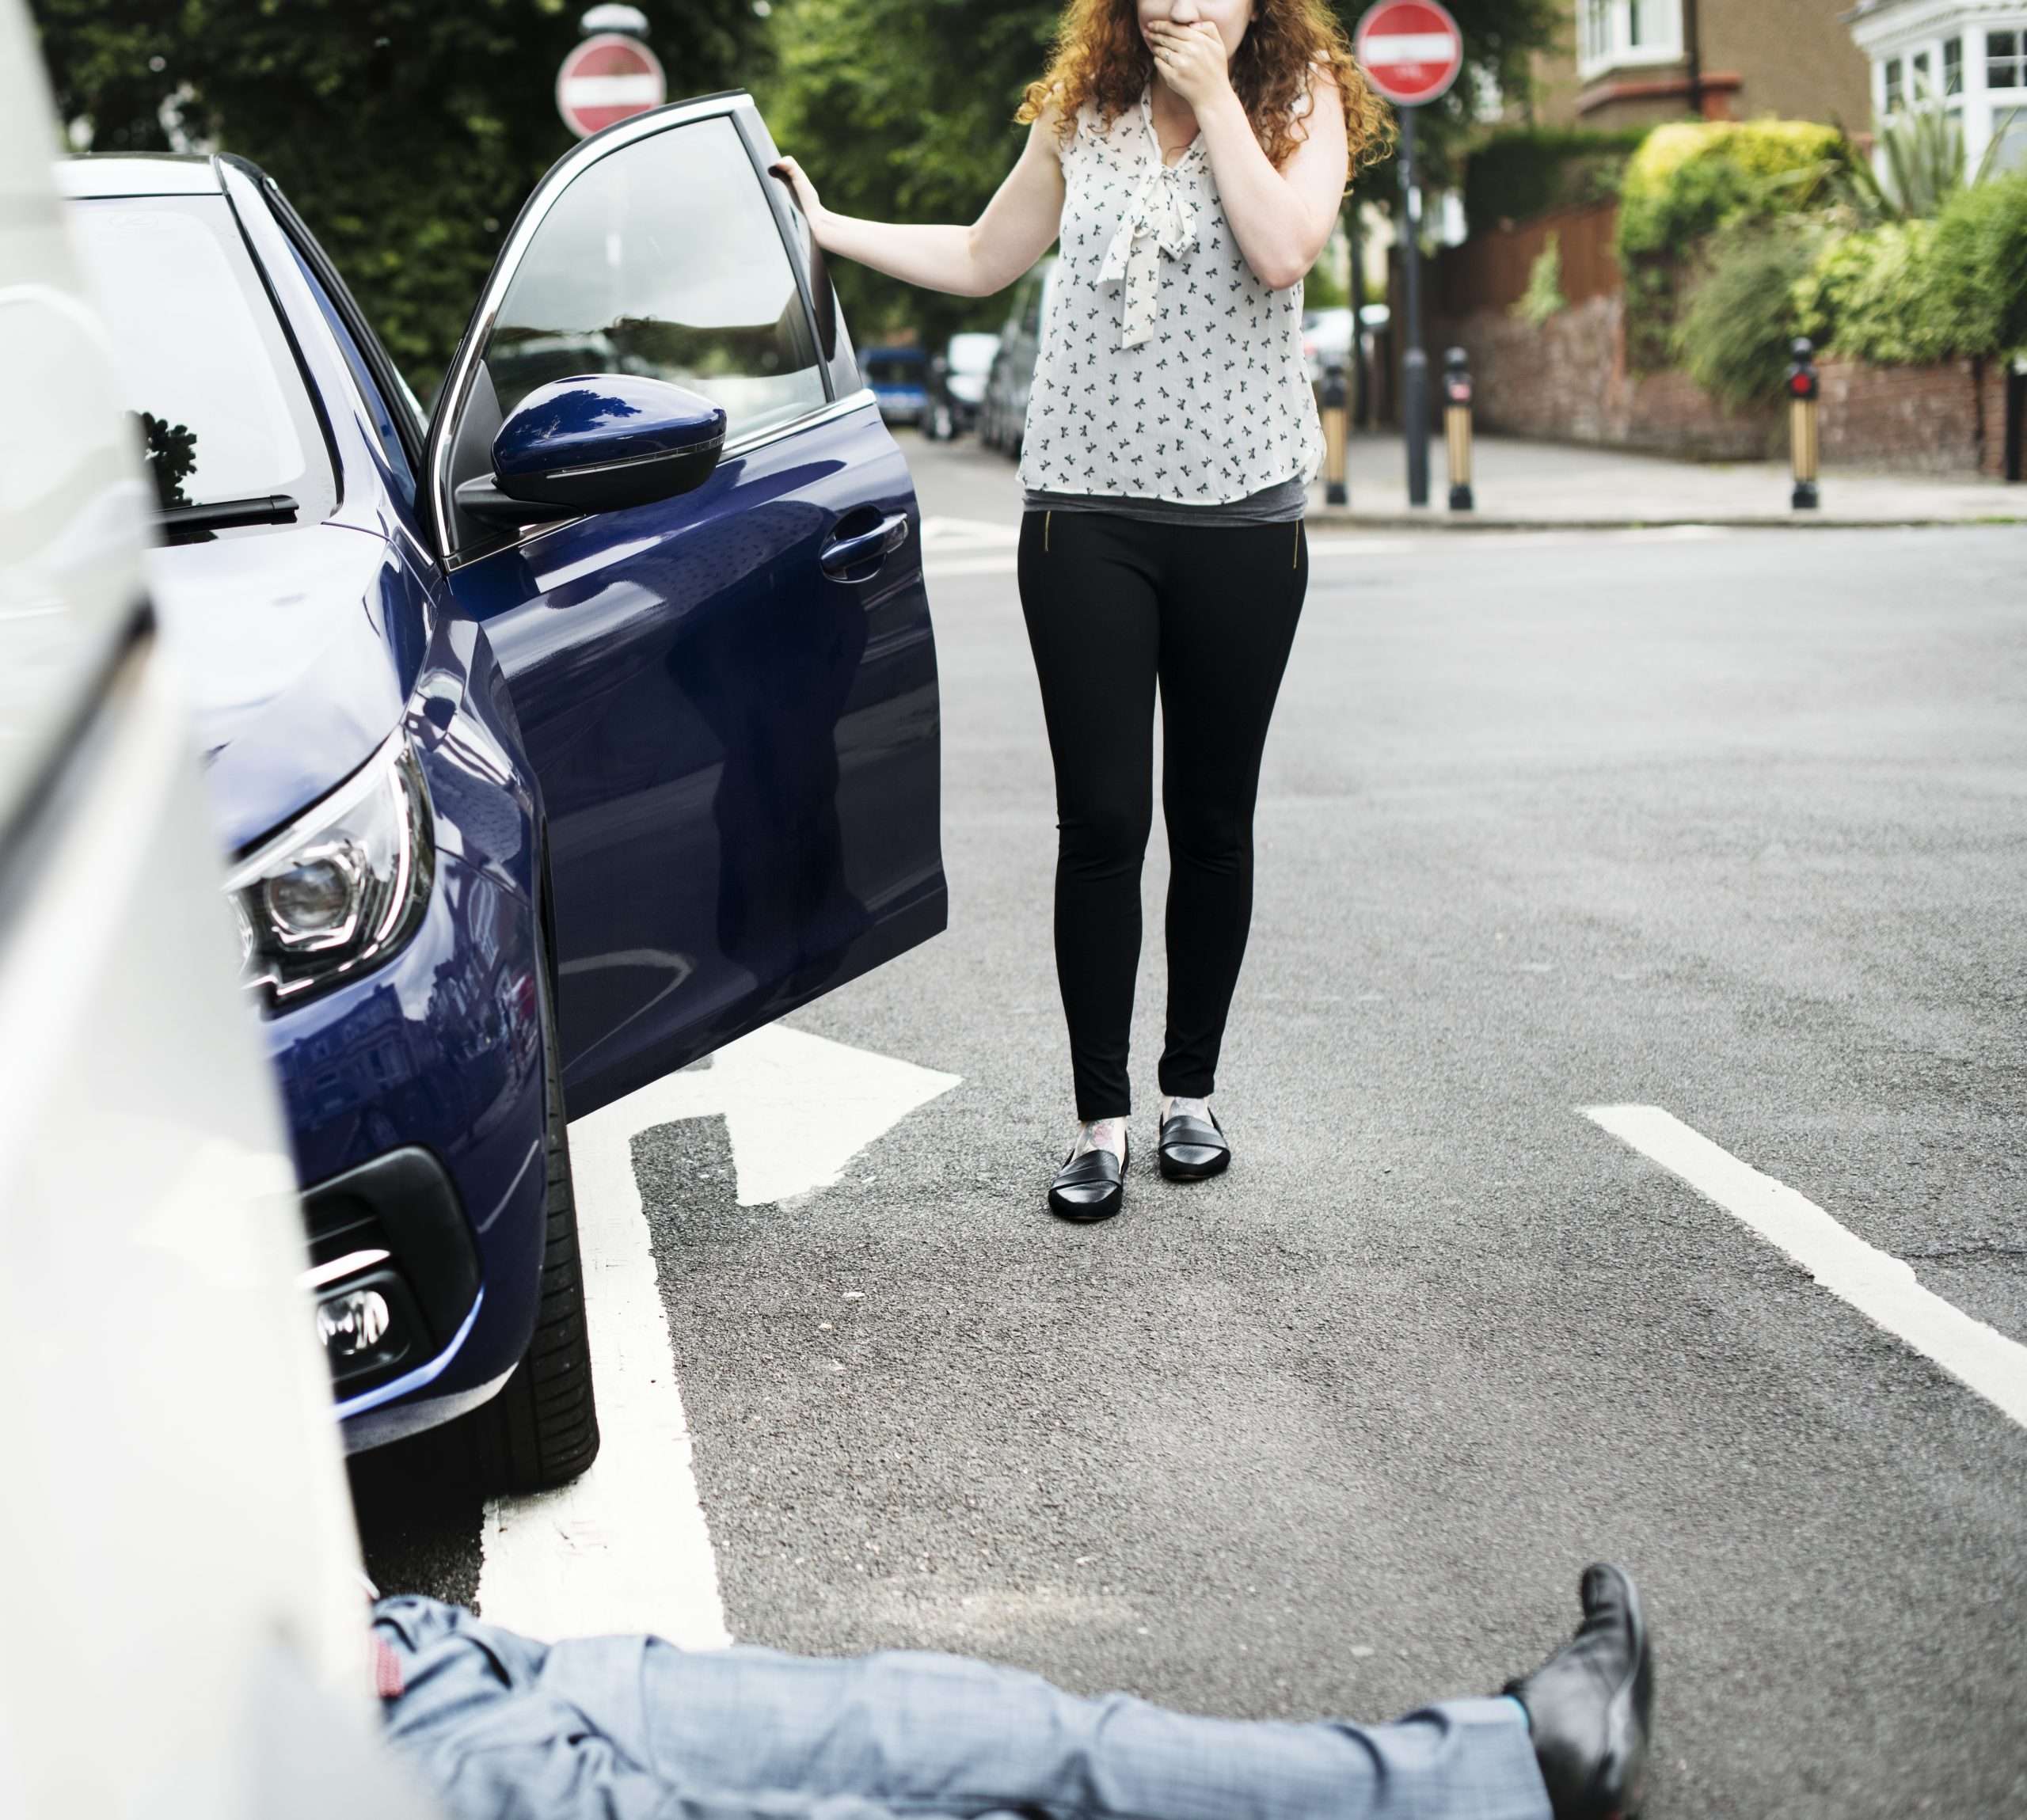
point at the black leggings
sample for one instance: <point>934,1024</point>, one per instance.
<point>1114,605</point>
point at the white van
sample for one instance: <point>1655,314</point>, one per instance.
<point>184,1629</point>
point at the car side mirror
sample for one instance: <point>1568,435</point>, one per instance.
<point>596,443</point>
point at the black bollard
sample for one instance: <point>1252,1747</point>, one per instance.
<point>1336,492</point>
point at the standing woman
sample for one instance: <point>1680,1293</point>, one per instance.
<point>1191,156</point>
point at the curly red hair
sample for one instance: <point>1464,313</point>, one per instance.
<point>1100,56</point>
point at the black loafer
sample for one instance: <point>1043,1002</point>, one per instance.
<point>1088,1188</point>
<point>1191,1150</point>
<point>1592,1705</point>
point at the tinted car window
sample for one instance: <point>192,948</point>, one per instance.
<point>199,356</point>
<point>663,260</point>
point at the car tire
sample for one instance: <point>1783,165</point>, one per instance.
<point>542,1430</point>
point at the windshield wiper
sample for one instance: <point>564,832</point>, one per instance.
<point>224,514</point>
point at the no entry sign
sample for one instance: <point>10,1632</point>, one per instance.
<point>608,78</point>
<point>1411,50</point>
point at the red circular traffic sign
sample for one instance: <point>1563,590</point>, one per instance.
<point>608,78</point>
<point>1410,50</point>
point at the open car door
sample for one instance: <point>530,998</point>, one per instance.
<point>728,692</point>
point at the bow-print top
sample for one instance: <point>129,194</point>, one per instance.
<point>1160,221</point>
<point>1165,368</point>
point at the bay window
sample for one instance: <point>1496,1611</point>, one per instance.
<point>1612,34</point>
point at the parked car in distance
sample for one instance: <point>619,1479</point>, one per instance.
<point>558,741</point>
<point>956,384</point>
<point>900,379</point>
<point>1326,338</point>
<point>1003,415</point>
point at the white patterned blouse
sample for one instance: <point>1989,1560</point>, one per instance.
<point>1168,372</point>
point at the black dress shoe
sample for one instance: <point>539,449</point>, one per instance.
<point>1191,1149</point>
<point>1592,1705</point>
<point>1088,1188</point>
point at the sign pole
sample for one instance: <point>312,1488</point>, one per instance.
<point>1411,52</point>
<point>1414,363</point>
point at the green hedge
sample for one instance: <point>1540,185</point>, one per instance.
<point>1696,176</point>
<point>1912,293</point>
<point>1518,174</point>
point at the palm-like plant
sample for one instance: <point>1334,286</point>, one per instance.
<point>1921,165</point>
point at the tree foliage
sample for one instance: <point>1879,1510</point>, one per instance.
<point>407,131</point>
<point>902,110</point>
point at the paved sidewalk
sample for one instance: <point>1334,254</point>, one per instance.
<point>1528,483</point>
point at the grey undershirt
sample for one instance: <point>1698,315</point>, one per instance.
<point>1278,505</point>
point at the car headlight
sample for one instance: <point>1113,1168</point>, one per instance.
<point>343,887</point>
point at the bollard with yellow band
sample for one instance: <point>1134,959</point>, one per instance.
<point>1335,492</point>
<point>1456,422</point>
<point>1805,409</point>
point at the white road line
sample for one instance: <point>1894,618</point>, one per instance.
<point>1881,1287</point>
<point>937,571</point>
<point>980,534</point>
<point>938,567</point>
<point>627,1548</point>
<point>961,561</point>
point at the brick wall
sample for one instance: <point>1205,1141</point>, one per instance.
<point>1567,381</point>
<point>1992,412</point>
<point>1922,419</point>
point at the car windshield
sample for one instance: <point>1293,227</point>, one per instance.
<point>200,358</point>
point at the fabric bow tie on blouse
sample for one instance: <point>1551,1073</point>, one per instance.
<point>1160,222</point>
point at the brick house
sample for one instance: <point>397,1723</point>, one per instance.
<point>1625,62</point>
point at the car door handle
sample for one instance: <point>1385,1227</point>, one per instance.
<point>882,541</point>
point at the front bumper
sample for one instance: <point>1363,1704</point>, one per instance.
<point>417,1110</point>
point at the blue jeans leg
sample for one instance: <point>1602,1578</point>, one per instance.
<point>909,1733</point>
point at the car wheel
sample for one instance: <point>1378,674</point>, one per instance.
<point>542,1430</point>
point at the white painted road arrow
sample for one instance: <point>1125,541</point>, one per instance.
<point>626,1547</point>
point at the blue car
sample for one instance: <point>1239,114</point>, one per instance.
<point>557,739</point>
<point>900,379</point>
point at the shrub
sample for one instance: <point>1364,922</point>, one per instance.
<point>1909,293</point>
<point>1981,246</point>
<point>1517,175</point>
<point>1691,179</point>
<point>1543,297</point>
<point>1735,337</point>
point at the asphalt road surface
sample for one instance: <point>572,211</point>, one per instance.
<point>1732,825</point>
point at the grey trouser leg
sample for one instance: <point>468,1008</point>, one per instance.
<point>627,1727</point>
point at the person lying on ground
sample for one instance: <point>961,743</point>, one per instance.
<point>626,1727</point>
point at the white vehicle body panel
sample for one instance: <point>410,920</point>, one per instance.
<point>184,1627</point>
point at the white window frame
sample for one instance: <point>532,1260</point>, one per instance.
<point>1605,29</point>
<point>1890,32</point>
